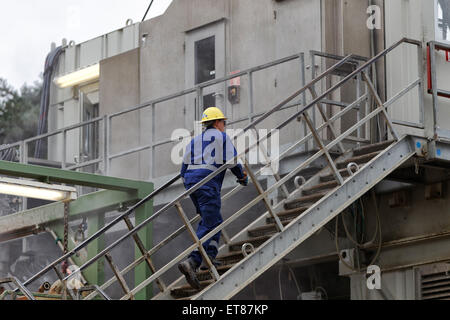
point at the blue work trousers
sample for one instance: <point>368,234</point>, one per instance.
<point>207,202</point>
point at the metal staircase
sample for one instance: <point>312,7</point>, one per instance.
<point>302,215</point>
<point>303,211</point>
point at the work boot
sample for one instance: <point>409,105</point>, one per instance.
<point>187,268</point>
<point>204,266</point>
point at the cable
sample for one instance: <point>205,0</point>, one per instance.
<point>380,243</point>
<point>148,9</point>
<point>293,276</point>
<point>50,65</point>
<point>279,282</point>
<point>363,245</point>
<point>295,281</point>
<point>323,290</point>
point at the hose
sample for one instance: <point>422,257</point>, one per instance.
<point>50,65</point>
<point>338,251</point>
<point>293,276</point>
<point>356,243</point>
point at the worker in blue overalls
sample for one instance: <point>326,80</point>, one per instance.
<point>205,154</point>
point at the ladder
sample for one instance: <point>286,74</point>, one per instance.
<point>351,172</point>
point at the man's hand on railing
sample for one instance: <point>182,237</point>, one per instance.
<point>244,180</point>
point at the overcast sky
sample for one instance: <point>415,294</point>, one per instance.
<point>28,27</point>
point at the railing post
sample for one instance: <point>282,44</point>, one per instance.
<point>250,97</point>
<point>358,112</point>
<point>381,106</point>
<point>106,120</point>
<point>153,148</point>
<point>144,240</point>
<point>334,170</point>
<point>193,235</point>
<point>144,253</point>
<point>432,127</point>
<point>264,152</point>
<point>64,152</point>
<point>313,76</point>
<point>119,276</point>
<point>199,106</point>
<point>325,119</point>
<point>303,84</point>
<point>260,190</point>
<point>421,86</point>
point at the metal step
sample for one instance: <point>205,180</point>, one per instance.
<point>320,187</point>
<point>342,166</point>
<point>231,257</point>
<point>267,230</point>
<point>288,214</point>
<point>300,202</point>
<point>330,177</point>
<point>372,148</point>
<point>358,159</point>
<point>256,242</point>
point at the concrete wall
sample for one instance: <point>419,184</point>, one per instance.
<point>119,90</point>
<point>255,33</point>
<point>65,104</point>
<point>344,32</point>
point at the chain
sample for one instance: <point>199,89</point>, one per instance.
<point>65,264</point>
<point>66,227</point>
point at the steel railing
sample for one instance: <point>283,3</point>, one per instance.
<point>106,157</point>
<point>324,150</point>
<point>433,88</point>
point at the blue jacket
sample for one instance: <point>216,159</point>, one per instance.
<point>204,154</point>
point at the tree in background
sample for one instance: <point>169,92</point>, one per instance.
<point>19,111</point>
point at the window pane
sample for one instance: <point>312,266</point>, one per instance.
<point>209,101</point>
<point>205,60</point>
<point>443,23</point>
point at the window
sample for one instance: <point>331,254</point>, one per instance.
<point>90,132</point>
<point>205,60</point>
<point>209,101</point>
<point>443,20</point>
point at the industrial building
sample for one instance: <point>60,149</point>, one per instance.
<point>346,103</point>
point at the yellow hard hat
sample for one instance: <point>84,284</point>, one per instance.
<point>212,114</point>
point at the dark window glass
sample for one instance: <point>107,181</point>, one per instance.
<point>205,60</point>
<point>209,101</point>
